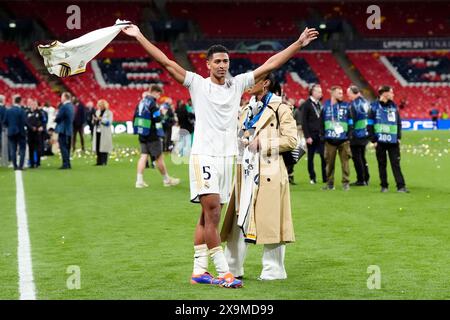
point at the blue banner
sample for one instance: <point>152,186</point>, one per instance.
<point>425,124</point>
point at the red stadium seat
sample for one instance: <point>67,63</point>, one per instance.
<point>123,100</point>
<point>40,90</point>
<point>417,100</point>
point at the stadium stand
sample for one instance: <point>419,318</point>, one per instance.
<point>420,78</point>
<point>306,68</point>
<point>18,76</point>
<point>399,19</point>
<point>95,15</point>
<point>123,69</point>
<point>241,20</point>
<point>119,74</point>
<point>250,20</point>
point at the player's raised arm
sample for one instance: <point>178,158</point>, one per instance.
<point>175,70</point>
<point>277,60</point>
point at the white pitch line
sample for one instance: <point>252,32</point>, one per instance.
<point>27,288</point>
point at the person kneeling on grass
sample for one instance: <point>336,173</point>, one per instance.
<point>263,215</point>
<point>147,124</point>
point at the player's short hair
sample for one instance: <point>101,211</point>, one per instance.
<point>354,89</point>
<point>17,99</point>
<point>217,48</point>
<point>334,88</point>
<point>384,88</point>
<point>67,95</point>
<point>312,87</point>
<point>155,88</point>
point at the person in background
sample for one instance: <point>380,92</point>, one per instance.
<point>147,124</point>
<point>290,167</point>
<point>64,128</point>
<point>90,113</point>
<point>298,114</point>
<point>51,114</point>
<point>102,139</point>
<point>44,134</point>
<point>168,120</point>
<point>312,129</point>
<point>3,134</point>
<point>434,114</point>
<point>15,121</point>
<point>79,121</point>
<point>337,128</point>
<point>186,119</point>
<point>359,111</point>
<point>385,129</point>
<point>36,124</point>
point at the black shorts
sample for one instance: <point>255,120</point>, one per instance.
<point>153,148</point>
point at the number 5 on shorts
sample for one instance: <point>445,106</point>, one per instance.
<point>206,172</point>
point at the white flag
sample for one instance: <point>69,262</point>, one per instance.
<point>67,59</point>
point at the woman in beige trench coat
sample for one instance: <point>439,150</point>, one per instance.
<point>102,137</point>
<point>271,205</point>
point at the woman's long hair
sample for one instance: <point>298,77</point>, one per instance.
<point>274,86</point>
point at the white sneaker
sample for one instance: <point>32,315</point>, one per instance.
<point>142,184</point>
<point>171,182</point>
<point>312,182</point>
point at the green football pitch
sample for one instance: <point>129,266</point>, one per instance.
<point>137,243</point>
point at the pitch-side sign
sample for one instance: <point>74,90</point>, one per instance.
<point>425,125</point>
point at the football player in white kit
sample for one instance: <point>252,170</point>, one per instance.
<point>216,102</point>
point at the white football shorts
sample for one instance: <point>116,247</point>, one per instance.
<point>211,175</point>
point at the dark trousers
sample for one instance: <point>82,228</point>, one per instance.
<point>102,157</point>
<point>344,155</point>
<point>14,142</point>
<point>64,145</point>
<point>360,162</point>
<point>35,148</point>
<point>393,150</point>
<point>80,131</point>
<point>91,128</point>
<point>319,147</point>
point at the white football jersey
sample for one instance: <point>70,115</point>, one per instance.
<point>216,112</point>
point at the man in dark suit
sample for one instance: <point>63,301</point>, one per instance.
<point>3,145</point>
<point>64,128</point>
<point>79,121</point>
<point>15,119</point>
<point>311,125</point>
<point>90,113</point>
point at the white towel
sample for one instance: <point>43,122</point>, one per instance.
<point>67,59</point>
<point>249,187</point>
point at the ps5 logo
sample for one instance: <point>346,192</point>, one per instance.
<point>74,20</point>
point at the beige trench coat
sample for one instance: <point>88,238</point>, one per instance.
<point>272,204</point>
<point>106,144</point>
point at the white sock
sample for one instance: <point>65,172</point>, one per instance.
<point>219,261</point>
<point>166,177</point>
<point>200,259</point>
<point>140,178</point>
